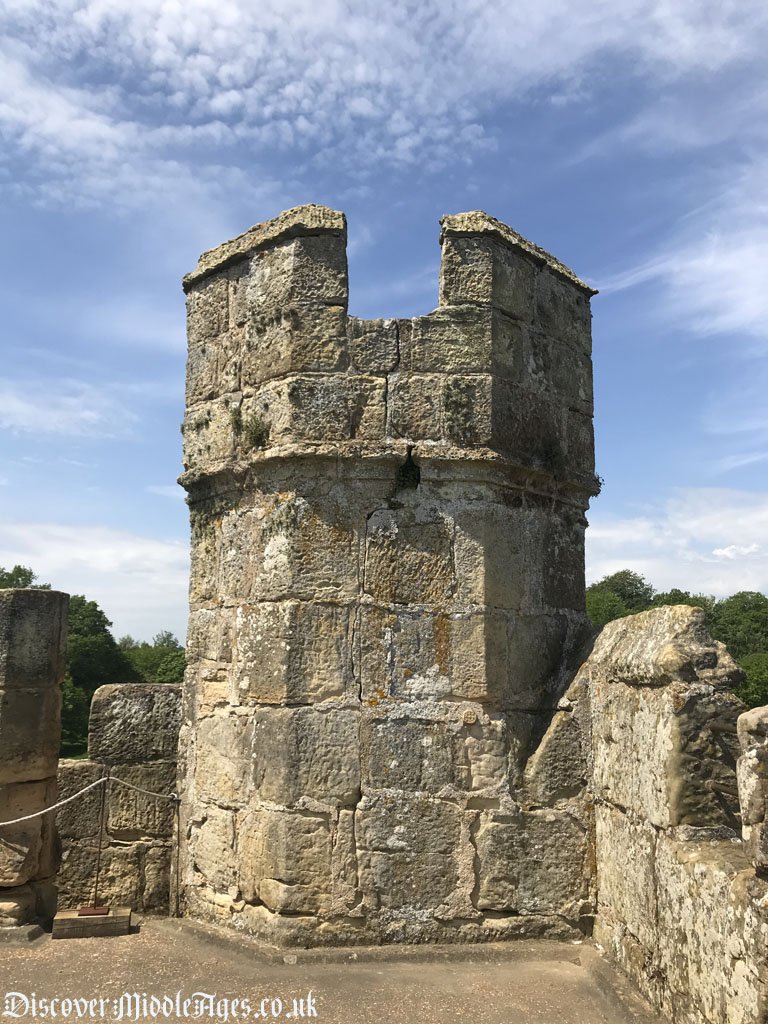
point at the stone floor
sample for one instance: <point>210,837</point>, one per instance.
<point>524,983</point>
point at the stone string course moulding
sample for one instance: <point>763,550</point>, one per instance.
<point>387,592</point>
<point>33,633</point>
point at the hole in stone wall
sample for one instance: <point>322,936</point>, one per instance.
<point>408,474</point>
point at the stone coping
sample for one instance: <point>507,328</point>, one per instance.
<point>299,220</point>
<point>478,222</point>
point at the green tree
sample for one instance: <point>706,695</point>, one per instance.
<point>754,691</point>
<point>676,596</point>
<point>604,605</point>
<point>93,656</point>
<point>75,708</point>
<point>741,622</point>
<point>149,660</point>
<point>171,668</point>
<point>635,591</point>
<point>20,576</point>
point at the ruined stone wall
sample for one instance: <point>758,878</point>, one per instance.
<point>33,632</point>
<point>133,733</point>
<point>387,590</point>
<point>680,907</point>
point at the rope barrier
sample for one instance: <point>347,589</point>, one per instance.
<point>99,782</point>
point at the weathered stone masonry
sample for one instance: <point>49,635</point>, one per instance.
<point>387,591</point>
<point>33,633</point>
<point>133,734</point>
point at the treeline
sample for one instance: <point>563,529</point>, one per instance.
<point>739,621</point>
<point>94,658</point>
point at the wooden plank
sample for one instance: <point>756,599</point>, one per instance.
<point>68,924</point>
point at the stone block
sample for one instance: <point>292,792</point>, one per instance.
<point>557,769</point>
<point>119,876</point>
<point>306,752</point>
<point>210,635</point>
<point>26,849</point>
<point>292,652</point>
<point>30,734</point>
<point>534,661</point>
<point>310,269</point>
<point>661,646</point>
<point>627,873</point>
<point>212,848</point>
<point>133,723</point>
<point>563,311</point>
<point>345,893</point>
<point>563,585</point>
<point>215,342</point>
<point>320,407</point>
<point>411,655</point>
<point>224,750</point>
<point>408,557</point>
<point>33,636</point>
<point>209,433</point>
<point>373,345</point>
<point>17,906</point>
<point>500,556</point>
<point>469,409</point>
<point>80,819</point>
<point>156,887</point>
<point>310,552</point>
<point>409,853</point>
<point>481,270</point>
<point>535,863</point>
<point>284,860</point>
<point>425,747</point>
<point>712,946</point>
<point>299,337</point>
<point>660,752</point>
<point>528,426</point>
<point>134,815</point>
<point>416,406</point>
<point>452,340</point>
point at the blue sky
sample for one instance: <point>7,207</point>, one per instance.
<point>630,139</point>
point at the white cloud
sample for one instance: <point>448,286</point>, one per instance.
<point>140,582</point>
<point>118,97</point>
<point>709,540</point>
<point>712,270</point>
<point>63,407</point>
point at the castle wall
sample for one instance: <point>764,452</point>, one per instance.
<point>387,590</point>
<point>680,907</point>
<point>133,734</point>
<point>33,632</point>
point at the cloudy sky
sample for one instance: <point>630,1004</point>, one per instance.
<point>630,139</point>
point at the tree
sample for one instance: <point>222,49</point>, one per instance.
<point>20,576</point>
<point>675,596</point>
<point>741,622</point>
<point>635,592</point>
<point>162,661</point>
<point>171,668</point>
<point>93,656</point>
<point>75,709</point>
<point>754,691</point>
<point>604,606</point>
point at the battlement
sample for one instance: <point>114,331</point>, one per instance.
<point>501,368</point>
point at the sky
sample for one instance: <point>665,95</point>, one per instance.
<point>629,139</point>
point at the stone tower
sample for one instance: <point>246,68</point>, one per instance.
<point>387,590</point>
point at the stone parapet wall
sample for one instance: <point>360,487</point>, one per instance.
<point>133,734</point>
<point>680,907</point>
<point>387,590</point>
<point>33,632</point>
